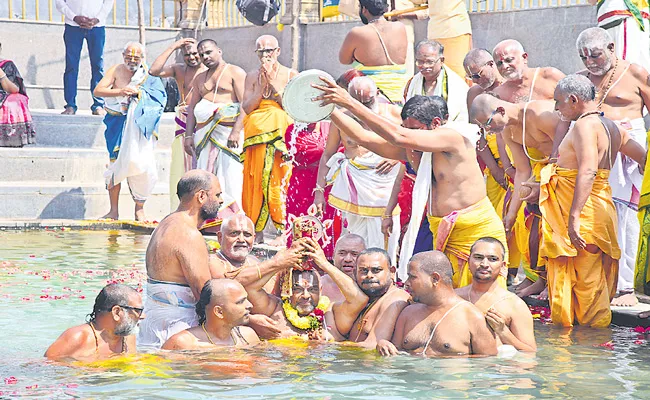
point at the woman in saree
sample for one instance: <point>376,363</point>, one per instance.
<point>16,126</point>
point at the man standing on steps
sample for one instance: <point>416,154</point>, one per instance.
<point>84,19</point>
<point>135,102</point>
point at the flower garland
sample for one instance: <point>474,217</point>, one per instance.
<point>311,322</point>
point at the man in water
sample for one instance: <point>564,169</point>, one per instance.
<point>134,102</point>
<point>223,308</point>
<point>440,324</point>
<point>264,149</point>
<point>346,252</point>
<point>215,122</point>
<point>111,329</point>
<point>178,269</point>
<point>623,95</point>
<point>184,74</point>
<point>506,314</point>
<point>378,49</point>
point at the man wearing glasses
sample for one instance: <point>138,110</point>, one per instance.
<point>264,127</point>
<point>111,328</point>
<point>130,92</point>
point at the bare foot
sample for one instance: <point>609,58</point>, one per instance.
<point>523,285</point>
<point>139,212</point>
<point>544,295</point>
<point>536,288</point>
<point>625,300</point>
<point>111,216</point>
<point>259,237</point>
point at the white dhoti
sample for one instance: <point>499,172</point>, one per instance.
<point>625,180</point>
<point>213,153</point>
<point>169,308</point>
<point>362,195</point>
<point>631,43</point>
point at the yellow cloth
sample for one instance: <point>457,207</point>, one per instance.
<point>642,270</point>
<point>580,283</point>
<point>456,48</point>
<point>391,79</point>
<point>455,234</point>
<point>448,19</point>
<point>265,178</point>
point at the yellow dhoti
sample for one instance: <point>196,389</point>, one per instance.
<point>455,234</point>
<point>581,283</point>
<point>642,270</point>
<point>265,176</point>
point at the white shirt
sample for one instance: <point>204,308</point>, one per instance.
<point>87,8</point>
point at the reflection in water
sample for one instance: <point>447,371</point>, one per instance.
<point>49,279</point>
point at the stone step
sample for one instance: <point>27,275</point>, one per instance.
<point>55,164</point>
<point>73,200</point>
<point>85,130</point>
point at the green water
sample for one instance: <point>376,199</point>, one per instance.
<point>68,268</point>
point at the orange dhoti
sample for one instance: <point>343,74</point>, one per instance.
<point>581,283</point>
<point>266,176</point>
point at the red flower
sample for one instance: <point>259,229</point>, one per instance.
<point>11,380</point>
<point>639,329</point>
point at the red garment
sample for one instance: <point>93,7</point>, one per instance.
<point>306,149</point>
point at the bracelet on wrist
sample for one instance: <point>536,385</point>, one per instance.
<point>386,217</point>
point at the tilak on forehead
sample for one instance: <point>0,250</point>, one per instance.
<point>304,279</point>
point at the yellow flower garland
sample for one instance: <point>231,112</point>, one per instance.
<point>308,322</point>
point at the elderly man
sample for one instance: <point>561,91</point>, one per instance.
<point>579,216</point>
<point>623,93</point>
<point>264,149</point>
<point>184,74</point>
<point>482,70</point>
<point>506,314</point>
<point>215,122</point>
<point>459,211</point>
<point>434,78</point>
<point>376,321</point>
<point>176,273</point>
<point>346,252</point>
<point>440,323</point>
<point>361,180</point>
<point>111,329</point>
<point>223,308</point>
<point>301,310</point>
<point>84,19</point>
<point>378,49</point>
<point>134,102</point>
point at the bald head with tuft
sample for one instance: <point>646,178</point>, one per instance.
<point>193,181</point>
<point>483,106</point>
<point>430,262</point>
<point>508,44</point>
<point>217,292</point>
<point>477,58</point>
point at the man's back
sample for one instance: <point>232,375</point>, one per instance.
<point>541,121</point>
<point>588,132</point>
<point>376,44</point>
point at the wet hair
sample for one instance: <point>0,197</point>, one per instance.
<point>477,57</point>
<point>374,7</point>
<point>577,85</point>
<point>192,183</point>
<point>433,44</point>
<point>207,41</point>
<point>490,239</point>
<point>594,38</point>
<point>434,261</point>
<point>111,295</point>
<point>347,77</point>
<point>376,250</point>
<point>204,300</point>
<point>425,108</point>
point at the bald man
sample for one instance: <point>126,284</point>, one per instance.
<point>440,323</point>
<point>177,270</point>
<point>223,310</point>
<point>360,171</point>
<point>264,128</point>
<point>346,251</point>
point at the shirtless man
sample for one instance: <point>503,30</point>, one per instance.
<point>215,121</point>
<point>376,321</point>
<point>302,296</point>
<point>456,184</point>
<point>346,251</point>
<point>177,270</point>
<point>183,73</point>
<point>223,308</point>
<point>440,324</point>
<point>507,314</point>
<point>482,70</point>
<point>622,93</point>
<point>111,329</point>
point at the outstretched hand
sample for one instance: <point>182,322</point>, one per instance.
<point>332,94</point>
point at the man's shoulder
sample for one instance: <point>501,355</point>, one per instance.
<point>640,73</point>
<point>551,73</point>
<point>77,334</point>
<point>182,340</point>
<point>249,334</point>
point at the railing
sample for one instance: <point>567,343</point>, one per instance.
<point>219,13</point>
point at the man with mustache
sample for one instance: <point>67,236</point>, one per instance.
<point>440,323</point>
<point>177,269</point>
<point>346,251</point>
<point>506,314</point>
<point>223,310</point>
<point>184,74</point>
<point>623,91</point>
<point>111,330</point>
<point>215,122</point>
<point>264,150</point>
<point>134,102</point>
<point>378,49</point>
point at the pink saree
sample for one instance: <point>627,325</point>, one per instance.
<point>16,126</point>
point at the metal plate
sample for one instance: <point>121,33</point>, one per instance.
<point>298,95</point>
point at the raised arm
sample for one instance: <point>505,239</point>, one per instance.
<point>520,334</point>
<point>366,138</point>
<point>252,92</point>
<point>250,274</point>
<point>482,341</point>
<point>158,67</point>
<point>384,326</point>
<point>192,255</point>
